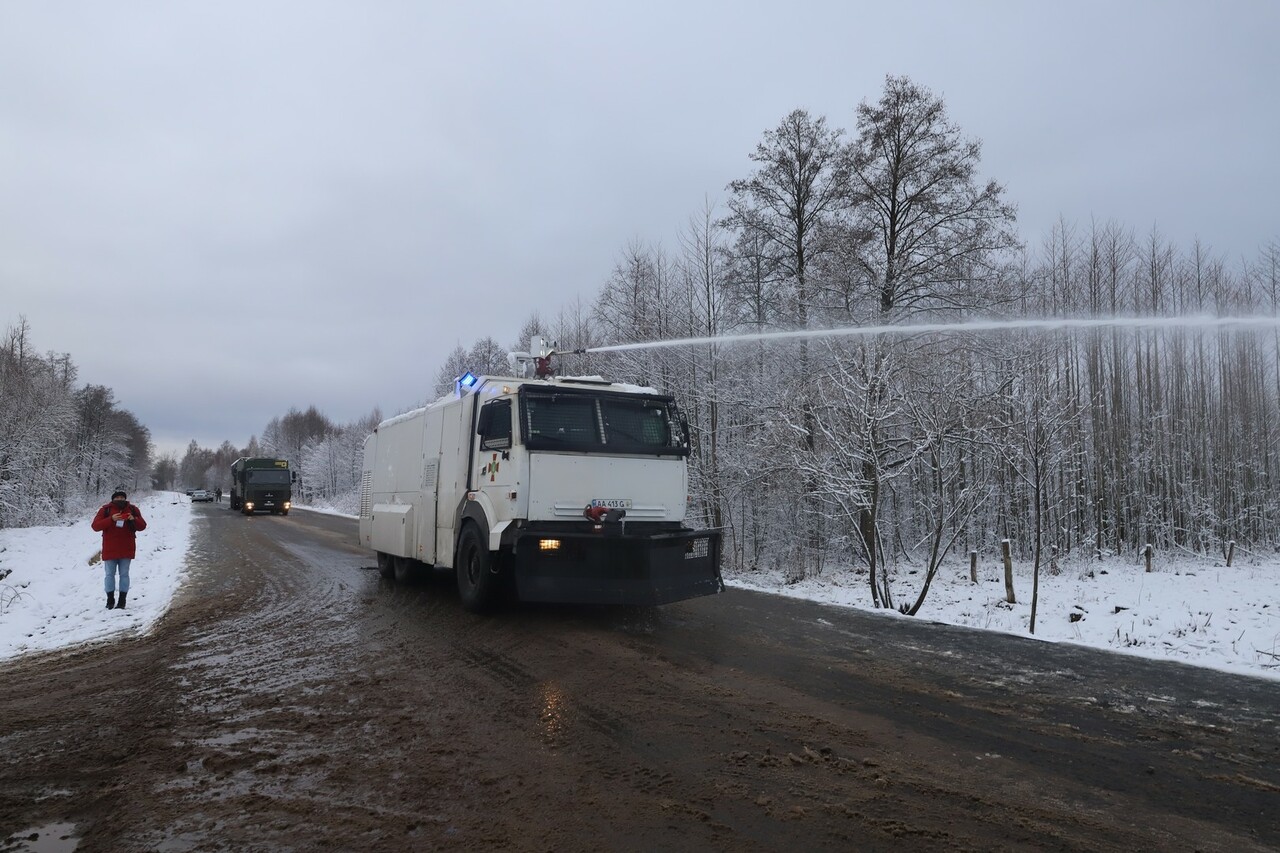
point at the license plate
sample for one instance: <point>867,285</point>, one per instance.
<point>612,503</point>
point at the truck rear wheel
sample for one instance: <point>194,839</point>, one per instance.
<point>403,569</point>
<point>477,584</point>
<point>386,565</point>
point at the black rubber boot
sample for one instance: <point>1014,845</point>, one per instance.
<point>120,603</point>
<point>111,600</point>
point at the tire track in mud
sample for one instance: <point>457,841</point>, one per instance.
<point>255,696</point>
<point>779,740</point>
<point>899,758</point>
<point>559,718</point>
<point>778,778</point>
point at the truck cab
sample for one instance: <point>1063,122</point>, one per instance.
<point>260,484</point>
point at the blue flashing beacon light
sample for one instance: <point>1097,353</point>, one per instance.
<point>465,381</point>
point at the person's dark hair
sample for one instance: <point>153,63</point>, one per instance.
<point>118,494</point>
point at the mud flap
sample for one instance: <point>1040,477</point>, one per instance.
<point>594,568</point>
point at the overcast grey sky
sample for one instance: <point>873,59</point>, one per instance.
<point>224,210</point>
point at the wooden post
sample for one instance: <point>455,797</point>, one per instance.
<point>1146,554</point>
<point>973,566</point>
<point>1231,551</point>
<point>1008,571</point>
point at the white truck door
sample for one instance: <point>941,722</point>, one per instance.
<point>493,469</point>
<point>455,437</point>
<point>428,496</point>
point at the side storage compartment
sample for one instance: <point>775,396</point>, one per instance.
<point>392,526</point>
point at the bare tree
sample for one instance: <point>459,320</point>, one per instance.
<point>39,422</point>
<point>454,366</point>
<point>923,233</point>
<point>790,208</point>
<point>704,271</point>
<point>934,237</point>
<point>164,473</point>
<point>1037,414</point>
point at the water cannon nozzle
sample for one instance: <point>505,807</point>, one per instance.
<point>540,356</point>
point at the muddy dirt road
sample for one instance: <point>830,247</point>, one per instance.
<point>293,700</point>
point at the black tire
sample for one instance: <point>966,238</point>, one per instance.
<point>386,565</point>
<point>403,570</point>
<point>477,584</point>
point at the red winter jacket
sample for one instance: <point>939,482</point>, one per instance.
<point>118,543</point>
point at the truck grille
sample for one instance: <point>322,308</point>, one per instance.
<point>697,549</point>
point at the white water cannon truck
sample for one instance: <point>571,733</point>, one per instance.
<point>569,490</point>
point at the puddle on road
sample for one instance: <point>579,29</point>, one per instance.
<point>551,716</point>
<point>50,838</point>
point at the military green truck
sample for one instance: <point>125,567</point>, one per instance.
<point>262,484</point>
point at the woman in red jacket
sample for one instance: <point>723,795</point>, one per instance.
<point>119,522</point>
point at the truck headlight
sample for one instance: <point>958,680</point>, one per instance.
<point>287,504</point>
<point>248,505</point>
<point>548,544</point>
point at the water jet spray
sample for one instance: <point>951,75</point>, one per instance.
<point>1203,321</point>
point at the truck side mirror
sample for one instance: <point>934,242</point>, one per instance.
<point>293,476</point>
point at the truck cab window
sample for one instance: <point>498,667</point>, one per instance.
<point>267,477</point>
<point>636,424</point>
<point>567,420</point>
<point>599,422</point>
<point>494,427</point>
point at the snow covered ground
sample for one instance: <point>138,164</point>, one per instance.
<point>1189,609</point>
<point>53,595</point>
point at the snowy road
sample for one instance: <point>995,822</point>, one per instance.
<point>292,700</point>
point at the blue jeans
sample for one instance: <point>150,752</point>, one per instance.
<point>110,568</point>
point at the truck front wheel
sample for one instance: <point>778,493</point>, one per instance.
<point>477,584</point>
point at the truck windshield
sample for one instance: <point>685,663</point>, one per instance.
<point>596,422</point>
<point>267,477</point>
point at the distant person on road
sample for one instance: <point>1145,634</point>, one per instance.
<point>217,495</point>
<point>119,523</point>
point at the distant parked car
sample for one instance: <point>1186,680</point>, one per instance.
<point>201,495</point>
